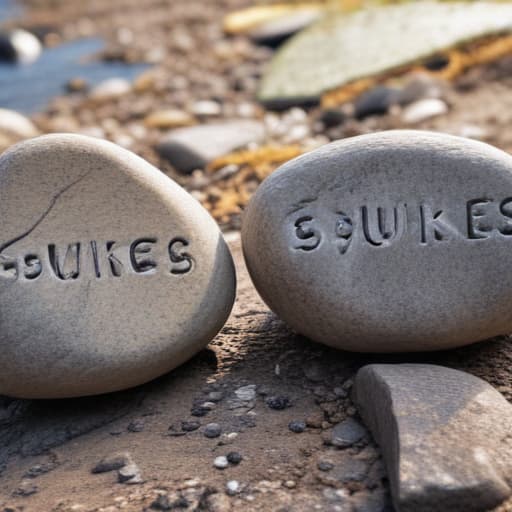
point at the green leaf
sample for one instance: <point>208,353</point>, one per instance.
<point>342,48</point>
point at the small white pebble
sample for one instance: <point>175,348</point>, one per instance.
<point>232,487</point>
<point>221,462</point>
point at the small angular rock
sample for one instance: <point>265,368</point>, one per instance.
<point>113,462</point>
<point>444,434</point>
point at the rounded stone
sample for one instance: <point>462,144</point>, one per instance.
<point>395,241</point>
<point>110,273</point>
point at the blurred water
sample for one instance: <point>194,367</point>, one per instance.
<point>29,88</point>
<point>8,9</point>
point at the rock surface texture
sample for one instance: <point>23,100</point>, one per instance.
<point>110,274</point>
<point>445,436</point>
<point>395,241</point>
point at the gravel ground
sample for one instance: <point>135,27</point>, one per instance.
<point>247,424</point>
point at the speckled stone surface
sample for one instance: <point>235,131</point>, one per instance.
<point>445,436</point>
<point>395,241</point>
<point>110,273</point>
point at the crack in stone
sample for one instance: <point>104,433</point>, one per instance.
<point>53,202</point>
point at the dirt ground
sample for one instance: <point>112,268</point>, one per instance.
<point>48,448</point>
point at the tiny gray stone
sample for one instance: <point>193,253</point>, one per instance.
<point>297,426</point>
<point>387,242</point>
<point>246,393</point>
<point>212,430</point>
<point>419,87</point>
<point>376,101</point>
<point>193,148</point>
<point>445,436</point>
<point>325,465</point>
<point>278,403</point>
<point>115,274</point>
<point>190,426</point>
<point>113,462</point>
<point>347,433</point>
<point>215,396</point>
<point>234,458</point>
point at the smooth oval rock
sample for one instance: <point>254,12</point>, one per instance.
<point>19,46</point>
<point>394,241</point>
<point>110,273</point>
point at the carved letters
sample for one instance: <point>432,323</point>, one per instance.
<point>101,260</point>
<point>381,227</point>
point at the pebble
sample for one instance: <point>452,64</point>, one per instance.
<point>332,236</point>
<point>212,430</point>
<point>206,108</point>
<point>129,474</point>
<point>105,227</point>
<point>347,433</point>
<point>297,426</point>
<point>193,148</point>
<point>19,46</point>
<point>136,425</point>
<point>110,89</point>
<point>422,110</point>
<point>221,462</point>
<point>375,101</point>
<point>215,396</point>
<point>16,125</point>
<point>444,435</point>
<point>421,86</point>
<point>234,458</point>
<point>324,465</point>
<point>190,426</point>
<point>278,403</point>
<point>246,393</point>
<point>112,463</point>
<point>233,487</point>
<point>169,118</point>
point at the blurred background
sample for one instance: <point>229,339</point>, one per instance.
<point>218,93</point>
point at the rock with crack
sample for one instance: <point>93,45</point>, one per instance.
<point>446,436</point>
<point>110,273</point>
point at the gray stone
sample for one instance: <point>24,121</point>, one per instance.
<point>246,393</point>
<point>444,434</point>
<point>193,148</point>
<point>112,462</point>
<point>376,101</point>
<point>394,241</point>
<point>347,433</point>
<point>111,274</point>
<point>19,46</point>
<point>212,430</point>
